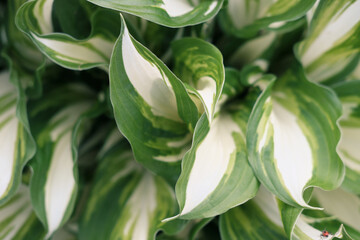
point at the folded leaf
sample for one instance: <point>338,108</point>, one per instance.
<point>292,137</point>
<point>54,182</point>
<point>245,18</point>
<point>171,13</point>
<point>17,219</point>
<point>17,145</point>
<point>200,65</point>
<point>151,106</point>
<point>34,19</point>
<point>126,201</point>
<point>215,173</point>
<point>348,148</point>
<point>330,50</point>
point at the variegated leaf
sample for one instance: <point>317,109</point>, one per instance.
<point>126,201</point>
<point>171,13</point>
<point>54,182</point>
<point>200,65</point>
<point>17,145</point>
<point>18,220</point>
<point>342,206</point>
<point>331,49</point>
<point>254,49</point>
<point>348,148</point>
<point>257,219</point>
<point>233,85</point>
<point>215,173</point>
<point>292,137</point>
<point>265,217</point>
<point>244,18</point>
<point>193,230</point>
<point>151,106</point>
<point>19,46</point>
<point>34,19</point>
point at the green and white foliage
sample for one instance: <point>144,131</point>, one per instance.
<point>17,219</point>
<point>291,146</point>
<point>159,119</point>
<point>16,143</point>
<point>19,47</point>
<point>171,13</point>
<point>151,106</point>
<point>257,219</point>
<point>254,49</point>
<point>215,173</point>
<point>331,49</point>
<point>245,18</point>
<point>348,148</point>
<point>200,65</point>
<point>340,206</point>
<point>35,19</point>
<point>263,218</point>
<point>54,182</point>
<point>126,201</point>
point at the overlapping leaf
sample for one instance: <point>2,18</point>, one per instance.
<point>17,145</point>
<point>151,106</point>
<point>126,201</point>
<point>35,19</point>
<point>339,206</point>
<point>172,13</point>
<point>200,65</point>
<point>19,47</point>
<point>54,182</point>
<point>244,18</point>
<point>331,49</point>
<point>265,217</point>
<point>348,149</point>
<point>292,137</point>
<point>215,173</point>
<point>17,218</point>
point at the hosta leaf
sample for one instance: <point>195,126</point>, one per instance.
<point>192,230</point>
<point>19,46</point>
<point>342,205</point>
<point>126,201</point>
<point>257,219</point>
<point>200,65</point>
<point>215,173</point>
<point>151,106</point>
<point>348,148</point>
<point>54,182</point>
<point>233,85</point>
<point>17,145</point>
<point>292,137</point>
<point>171,13</point>
<point>265,217</point>
<point>253,49</point>
<point>34,19</point>
<point>17,219</point>
<point>245,18</point>
<point>330,50</point>
<point>25,60</point>
<point>299,226</point>
<point>355,75</point>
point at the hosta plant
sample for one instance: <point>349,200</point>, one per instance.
<point>179,119</point>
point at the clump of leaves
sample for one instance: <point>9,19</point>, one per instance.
<point>181,119</point>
